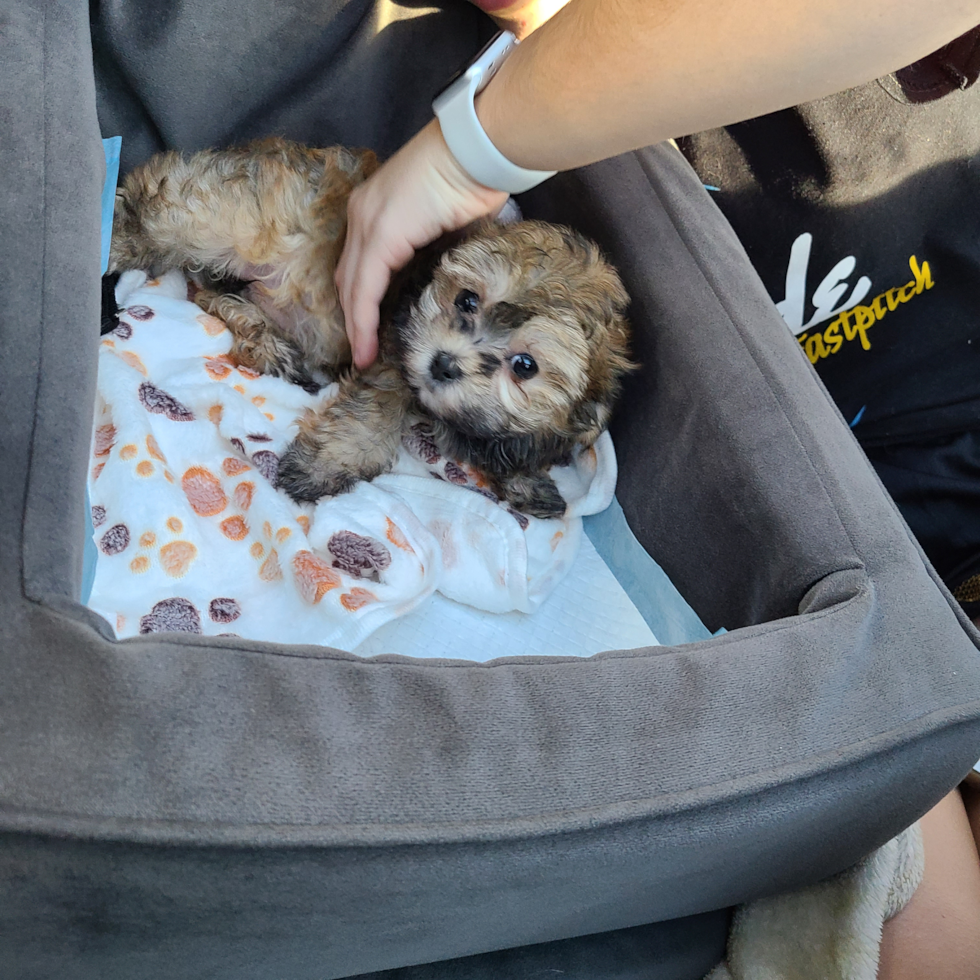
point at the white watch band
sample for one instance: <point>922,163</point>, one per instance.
<point>463,132</point>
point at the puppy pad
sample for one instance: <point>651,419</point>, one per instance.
<point>193,536</point>
<point>587,612</point>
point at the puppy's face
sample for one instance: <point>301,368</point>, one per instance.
<point>519,332</point>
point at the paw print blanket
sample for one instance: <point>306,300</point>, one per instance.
<point>193,535</point>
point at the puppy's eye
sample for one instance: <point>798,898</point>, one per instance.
<point>524,366</point>
<point>467,301</point>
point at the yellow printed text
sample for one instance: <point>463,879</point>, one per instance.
<point>855,323</point>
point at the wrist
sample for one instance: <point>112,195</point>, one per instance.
<point>459,184</point>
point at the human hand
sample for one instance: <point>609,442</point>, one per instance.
<point>416,196</point>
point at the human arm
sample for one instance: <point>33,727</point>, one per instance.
<point>520,17</point>
<point>937,935</point>
<point>605,76</point>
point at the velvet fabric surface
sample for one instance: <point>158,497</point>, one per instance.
<point>175,807</point>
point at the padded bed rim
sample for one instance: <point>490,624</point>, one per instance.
<point>585,820</point>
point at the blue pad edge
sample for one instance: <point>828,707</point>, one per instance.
<point>111,148</point>
<point>665,610</point>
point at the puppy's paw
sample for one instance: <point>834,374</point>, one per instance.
<point>354,436</point>
<point>535,495</point>
<point>307,474</point>
<point>277,357</point>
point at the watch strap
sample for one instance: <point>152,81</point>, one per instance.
<point>464,134</point>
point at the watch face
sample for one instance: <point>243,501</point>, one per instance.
<point>475,60</point>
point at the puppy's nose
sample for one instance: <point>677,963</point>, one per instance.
<point>444,367</point>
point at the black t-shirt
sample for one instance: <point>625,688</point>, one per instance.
<point>861,213</point>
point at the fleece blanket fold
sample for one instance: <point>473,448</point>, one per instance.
<point>193,535</point>
<point>830,930</point>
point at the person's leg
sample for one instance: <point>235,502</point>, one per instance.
<point>970,790</point>
<point>937,935</point>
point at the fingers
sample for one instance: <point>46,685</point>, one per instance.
<point>360,313</point>
<point>373,253</point>
<point>362,277</point>
<point>411,200</point>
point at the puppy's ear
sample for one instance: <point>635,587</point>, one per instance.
<point>609,363</point>
<point>587,420</point>
<point>603,301</point>
<point>403,292</point>
<point>407,284</point>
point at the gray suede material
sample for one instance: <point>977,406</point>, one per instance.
<point>359,72</point>
<point>181,807</point>
<point>126,911</point>
<point>52,173</point>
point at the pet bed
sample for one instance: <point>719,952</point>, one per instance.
<point>180,806</point>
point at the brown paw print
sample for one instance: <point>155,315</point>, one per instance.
<point>267,463</point>
<point>141,313</point>
<point>224,610</point>
<point>115,540</point>
<point>357,555</point>
<point>156,400</point>
<point>454,474</point>
<point>421,443</point>
<point>484,492</point>
<point>105,439</point>
<point>175,615</point>
<point>519,517</point>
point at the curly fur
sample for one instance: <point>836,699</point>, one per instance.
<point>512,340</point>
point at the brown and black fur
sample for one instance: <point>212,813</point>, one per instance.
<point>513,340</point>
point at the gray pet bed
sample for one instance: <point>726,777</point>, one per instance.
<point>180,807</point>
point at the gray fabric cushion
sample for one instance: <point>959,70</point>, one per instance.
<point>334,816</point>
<point>102,911</point>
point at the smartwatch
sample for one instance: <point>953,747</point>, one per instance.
<point>463,132</point>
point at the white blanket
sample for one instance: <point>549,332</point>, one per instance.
<point>830,930</point>
<point>193,536</point>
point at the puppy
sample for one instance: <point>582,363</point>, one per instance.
<point>512,342</point>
